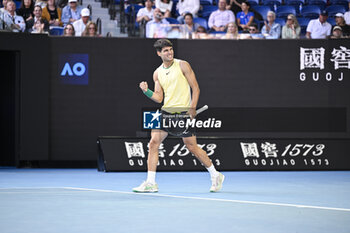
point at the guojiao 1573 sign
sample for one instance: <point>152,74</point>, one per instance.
<point>317,64</point>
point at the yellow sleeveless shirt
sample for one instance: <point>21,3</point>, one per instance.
<point>177,91</point>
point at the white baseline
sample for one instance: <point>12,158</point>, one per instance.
<point>213,199</point>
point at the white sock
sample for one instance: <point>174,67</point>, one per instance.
<point>213,172</point>
<point>151,177</point>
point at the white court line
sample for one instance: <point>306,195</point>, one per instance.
<point>31,188</point>
<point>39,193</point>
<point>213,199</point>
<point>18,190</point>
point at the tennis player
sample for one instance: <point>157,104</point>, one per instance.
<point>173,81</point>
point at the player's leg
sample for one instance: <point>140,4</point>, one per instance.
<point>217,178</point>
<point>150,185</point>
<point>157,137</point>
<point>201,155</point>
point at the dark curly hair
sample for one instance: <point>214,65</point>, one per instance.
<point>162,43</point>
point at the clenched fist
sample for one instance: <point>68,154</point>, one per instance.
<point>144,86</point>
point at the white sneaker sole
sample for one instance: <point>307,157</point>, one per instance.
<point>146,191</point>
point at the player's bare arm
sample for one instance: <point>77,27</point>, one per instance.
<point>192,81</point>
<point>157,95</point>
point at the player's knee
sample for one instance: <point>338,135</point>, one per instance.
<point>191,147</point>
<point>154,144</point>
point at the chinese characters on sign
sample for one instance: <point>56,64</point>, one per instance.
<point>178,155</point>
<point>269,149</point>
<point>315,59</point>
<point>308,154</point>
<point>250,150</point>
<point>312,58</point>
<point>341,58</point>
<point>228,154</point>
<point>134,149</point>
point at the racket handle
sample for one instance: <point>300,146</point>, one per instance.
<point>202,109</point>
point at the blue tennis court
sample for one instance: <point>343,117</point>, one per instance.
<point>84,200</point>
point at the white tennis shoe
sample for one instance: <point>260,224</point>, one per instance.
<point>216,183</point>
<point>146,187</point>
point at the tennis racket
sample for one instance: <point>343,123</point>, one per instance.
<point>202,109</point>
<point>198,111</point>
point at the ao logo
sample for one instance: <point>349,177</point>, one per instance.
<point>78,69</point>
<point>73,68</point>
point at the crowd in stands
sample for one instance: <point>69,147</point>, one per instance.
<point>237,19</point>
<point>46,16</point>
<point>226,19</point>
